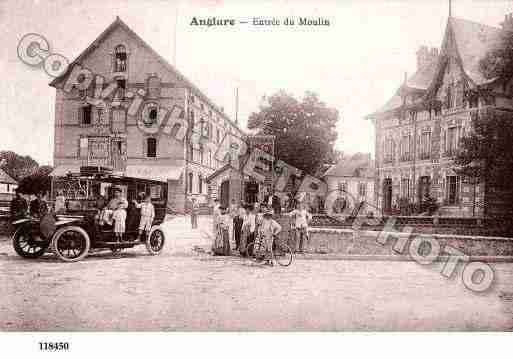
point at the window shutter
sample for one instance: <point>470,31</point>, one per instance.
<point>118,120</point>
<point>81,115</point>
<point>444,141</point>
<point>458,187</point>
<point>83,147</point>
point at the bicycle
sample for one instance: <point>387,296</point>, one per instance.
<point>280,251</point>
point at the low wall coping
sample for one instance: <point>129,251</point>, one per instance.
<point>402,234</point>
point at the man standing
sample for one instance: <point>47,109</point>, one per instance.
<point>302,217</point>
<point>238,219</point>
<point>18,206</point>
<point>194,213</point>
<point>38,207</point>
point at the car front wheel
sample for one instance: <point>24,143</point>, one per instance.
<point>28,243</point>
<point>155,243</point>
<point>71,244</point>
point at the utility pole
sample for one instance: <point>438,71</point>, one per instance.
<point>237,106</point>
<point>175,34</point>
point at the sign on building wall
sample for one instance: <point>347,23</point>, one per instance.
<point>98,147</point>
<point>263,142</point>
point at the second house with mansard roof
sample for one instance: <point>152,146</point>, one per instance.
<point>104,135</point>
<point>418,131</point>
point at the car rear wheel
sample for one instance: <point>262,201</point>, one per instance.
<point>155,243</point>
<point>71,244</point>
<point>29,243</point>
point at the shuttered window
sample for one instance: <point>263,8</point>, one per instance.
<point>151,147</point>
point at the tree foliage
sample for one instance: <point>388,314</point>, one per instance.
<point>487,153</point>
<point>305,130</point>
<point>17,166</point>
<point>38,182</point>
<point>498,62</point>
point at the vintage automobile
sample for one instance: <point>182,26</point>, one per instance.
<point>75,231</point>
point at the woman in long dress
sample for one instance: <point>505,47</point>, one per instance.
<point>222,238</point>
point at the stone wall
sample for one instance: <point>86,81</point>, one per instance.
<point>347,241</point>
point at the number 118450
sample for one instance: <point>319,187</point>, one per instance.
<point>53,346</point>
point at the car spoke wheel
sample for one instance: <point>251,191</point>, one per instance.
<point>28,243</point>
<point>282,254</point>
<point>155,243</point>
<point>71,244</point>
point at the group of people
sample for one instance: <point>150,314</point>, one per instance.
<point>20,207</point>
<point>114,213</point>
<point>251,222</point>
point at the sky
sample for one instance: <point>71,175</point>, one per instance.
<point>355,64</point>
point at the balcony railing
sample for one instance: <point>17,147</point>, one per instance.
<point>406,157</point>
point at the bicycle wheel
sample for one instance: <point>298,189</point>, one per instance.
<point>283,254</point>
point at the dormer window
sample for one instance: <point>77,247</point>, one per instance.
<point>120,59</point>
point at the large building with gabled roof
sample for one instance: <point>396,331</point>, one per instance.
<point>419,130</point>
<point>107,135</point>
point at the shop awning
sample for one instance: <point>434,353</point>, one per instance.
<point>157,173</point>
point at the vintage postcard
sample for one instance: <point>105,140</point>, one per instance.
<point>276,166</point>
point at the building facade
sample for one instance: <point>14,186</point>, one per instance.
<point>349,183</point>
<point>8,186</point>
<point>419,130</point>
<point>129,131</point>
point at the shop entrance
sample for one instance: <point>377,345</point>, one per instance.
<point>224,197</point>
<point>251,192</point>
<point>387,195</point>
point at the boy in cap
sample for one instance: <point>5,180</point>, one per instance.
<point>268,229</point>
<point>147,215</point>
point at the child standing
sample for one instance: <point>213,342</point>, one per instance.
<point>147,215</point>
<point>269,228</point>
<point>119,217</point>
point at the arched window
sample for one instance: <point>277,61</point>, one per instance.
<point>151,147</point>
<point>120,58</point>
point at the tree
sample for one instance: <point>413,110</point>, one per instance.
<point>17,166</point>
<point>486,153</point>
<point>498,62</point>
<point>38,182</point>
<point>305,130</point>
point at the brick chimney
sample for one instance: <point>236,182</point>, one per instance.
<point>507,24</point>
<point>426,56</point>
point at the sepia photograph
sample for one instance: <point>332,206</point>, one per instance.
<point>255,166</point>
